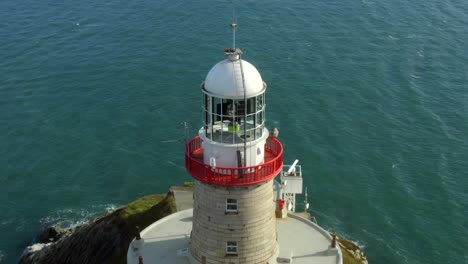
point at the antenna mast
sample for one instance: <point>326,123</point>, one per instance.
<point>234,29</point>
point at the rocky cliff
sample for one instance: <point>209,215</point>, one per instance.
<point>104,240</point>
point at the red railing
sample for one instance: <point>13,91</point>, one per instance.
<point>237,176</point>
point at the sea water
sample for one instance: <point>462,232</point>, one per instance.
<point>371,96</point>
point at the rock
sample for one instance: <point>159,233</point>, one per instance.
<point>352,253</point>
<point>51,234</point>
<point>104,240</point>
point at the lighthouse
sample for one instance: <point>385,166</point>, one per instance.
<point>239,211</point>
<point>234,161</point>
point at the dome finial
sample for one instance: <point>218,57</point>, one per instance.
<point>233,54</point>
<point>234,28</point>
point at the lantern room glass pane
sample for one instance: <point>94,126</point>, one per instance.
<point>258,132</point>
<point>260,102</point>
<point>251,105</point>
<point>217,108</point>
<point>259,119</point>
<point>233,121</point>
<point>206,107</point>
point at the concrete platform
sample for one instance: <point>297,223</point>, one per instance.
<point>305,242</point>
<point>300,241</point>
<point>183,197</point>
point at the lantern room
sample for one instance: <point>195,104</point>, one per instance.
<point>234,146</point>
<point>233,120</point>
<point>234,102</point>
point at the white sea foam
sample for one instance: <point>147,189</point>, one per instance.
<point>129,151</point>
<point>36,247</point>
<point>72,217</point>
<point>420,53</point>
<point>174,164</point>
<point>170,141</point>
<point>7,222</point>
<point>111,208</point>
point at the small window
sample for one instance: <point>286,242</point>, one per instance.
<point>231,248</point>
<point>231,206</point>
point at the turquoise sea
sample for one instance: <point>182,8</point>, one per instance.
<point>371,96</point>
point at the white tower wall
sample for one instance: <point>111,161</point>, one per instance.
<point>226,154</point>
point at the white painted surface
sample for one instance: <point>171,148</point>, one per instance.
<point>165,238</point>
<point>225,80</point>
<point>298,238</point>
<point>226,154</point>
<point>293,176</point>
<point>294,184</point>
<point>305,241</point>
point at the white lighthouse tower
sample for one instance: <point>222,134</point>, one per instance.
<point>234,162</point>
<point>239,214</point>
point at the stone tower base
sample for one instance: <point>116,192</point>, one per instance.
<point>234,224</point>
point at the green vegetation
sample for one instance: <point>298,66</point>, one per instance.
<point>148,209</point>
<point>141,205</point>
<point>106,239</point>
<point>349,245</point>
<point>187,186</point>
<point>348,257</point>
<point>142,213</point>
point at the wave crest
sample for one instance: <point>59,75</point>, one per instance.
<point>69,218</point>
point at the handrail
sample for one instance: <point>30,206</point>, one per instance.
<point>236,176</point>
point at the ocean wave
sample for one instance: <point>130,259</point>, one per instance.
<point>7,222</point>
<point>1,256</point>
<point>72,217</point>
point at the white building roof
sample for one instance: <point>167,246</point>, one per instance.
<point>225,80</point>
<point>167,241</point>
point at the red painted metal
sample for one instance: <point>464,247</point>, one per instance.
<point>237,176</point>
<point>281,204</point>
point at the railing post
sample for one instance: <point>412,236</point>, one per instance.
<point>333,243</point>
